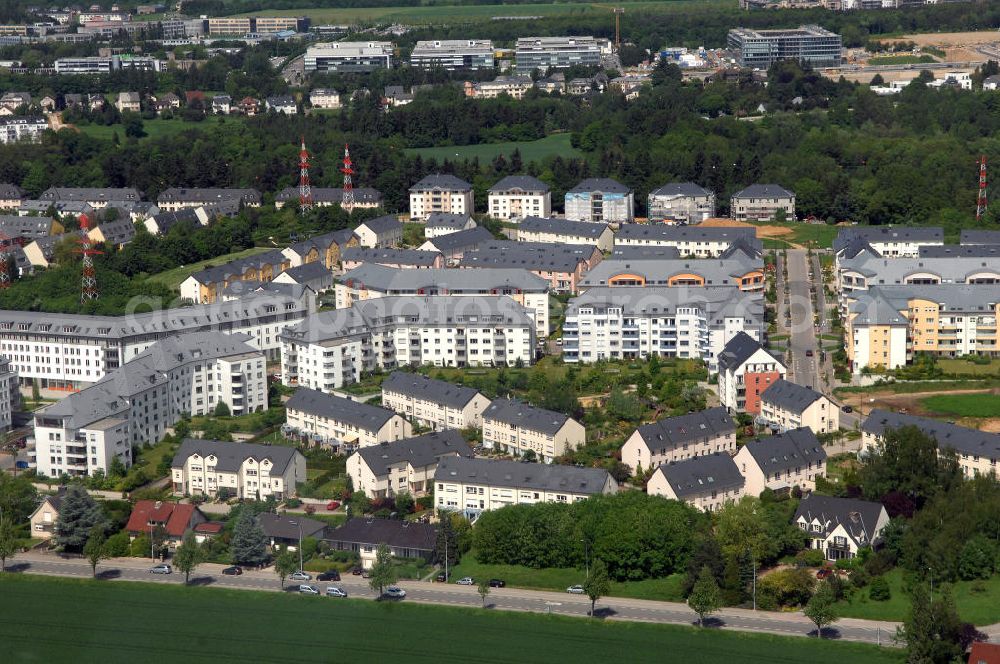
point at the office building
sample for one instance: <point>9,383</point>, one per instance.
<point>545,53</point>
<point>809,44</point>
<point>349,57</point>
<point>453,54</point>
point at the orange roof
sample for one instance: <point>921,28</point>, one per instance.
<point>984,653</point>
<point>173,517</point>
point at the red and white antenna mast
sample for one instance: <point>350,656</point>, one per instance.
<point>981,199</point>
<point>88,290</point>
<point>305,191</point>
<point>347,202</point>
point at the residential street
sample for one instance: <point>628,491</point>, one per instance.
<point>803,335</point>
<point>511,599</point>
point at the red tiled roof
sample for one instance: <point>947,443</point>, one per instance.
<point>210,527</point>
<point>175,518</point>
<point>984,653</point>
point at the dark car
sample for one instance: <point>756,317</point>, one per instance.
<point>848,409</point>
<point>233,570</point>
<point>497,583</point>
<point>440,578</point>
<point>809,352</point>
<point>356,571</point>
<point>330,575</point>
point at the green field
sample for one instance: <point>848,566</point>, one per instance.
<point>60,620</point>
<point>960,366</point>
<point>153,128</point>
<point>802,234</point>
<point>556,144</point>
<point>964,405</point>
<point>173,278</point>
<point>901,60</point>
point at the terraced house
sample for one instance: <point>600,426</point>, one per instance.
<point>785,405</point>
<point>690,241</point>
<point>514,427</point>
<point>205,286</point>
<point>404,466</point>
<point>237,470</point>
<point>433,403</point>
<point>565,231</point>
<point>176,198</point>
<point>707,482</point>
<point>679,438</point>
<point>782,462</point>
<point>338,421</point>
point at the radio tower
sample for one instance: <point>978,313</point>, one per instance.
<point>4,261</point>
<point>981,199</point>
<point>305,191</point>
<point>347,202</point>
<point>88,289</point>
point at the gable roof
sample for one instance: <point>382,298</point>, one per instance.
<point>961,439</point>
<point>230,456</point>
<point>464,239</point>
<point>781,452</point>
<point>687,189</point>
<point>441,181</point>
<point>790,396</point>
<point>525,416</point>
<point>740,349</point>
<point>559,226</point>
<point>287,527</point>
<point>522,475</point>
<point>175,517</point>
<point>391,255</point>
<point>447,220</point>
<point>700,474</point>
<point>764,191</point>
<point>392,532</point>
<point>676,431</point>
<point>858,517</point>
<point>309,272</point>
<point>385,224</point>
<point>361,415</point>
<point>419,451</point>
<point>429,389</point>
<point>519,182</point>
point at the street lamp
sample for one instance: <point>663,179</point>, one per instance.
<point>299,524</point>
<point>586,553</point>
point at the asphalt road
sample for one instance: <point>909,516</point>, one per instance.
<point>509,599</point>
<point>803,334</point>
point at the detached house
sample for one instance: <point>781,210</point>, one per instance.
<point>403,466</point>
<point>174,519</point>
<point>782,462</point>
<point>239,470</point>
<point>678,438</point>
<point>786,405</point>
<point>281,104</point>
<point>44,518</point>
<point>762,202</point>
<point>433,403</point>
<point>129,102</point>
<point>707,482</point>
<point>514,427</point>
<point>405,539</point>
<point>440,193</point>
<point>746,370</point>
<point>328,418</point>
<point>840,527</point>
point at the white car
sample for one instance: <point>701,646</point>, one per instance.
<point>300,576</point>
<point>575,590</point>
<point>395,592</point>
<point>334,591</point>
<point>162,568</point>
<point>306,589</point>
<point>465,581</point>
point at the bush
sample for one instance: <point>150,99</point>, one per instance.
<point>788,587</point>
<point>860,578</point>
<point>809,558</point>
<point>977,559</point>
<point>139,548</point>
<point>879,591</point>
<point>293,503</point>
<point>117,546</point>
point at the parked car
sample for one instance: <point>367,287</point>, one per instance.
<point>366,574</point>
<point>575,590</point>
<point>162,568</point>
<point>334,591</point>
<point>809,352</point>
<point>441,578</point>
<point>329,575</point>
<point>306,589</point>
<point>465,581</point>
<point>395,592</point>
<point>848,409</point>
<point>356,571</point>
<point>233,570</point>
<point>332,505</point>
<point>823,573</point>
<point>300,576</point>
<point>497,583</point>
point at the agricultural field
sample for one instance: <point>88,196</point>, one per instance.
<point>173,278</point>
<point>556,144</point>
<point>963,405</point>
<point>124,621</point>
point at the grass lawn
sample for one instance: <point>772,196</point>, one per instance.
<point>980,606</point>
<point>802,233</point>
<point>963,405</point>
<point>901,60</point>
<point>556,144</point>
<point>58,620</point>
<point>173,278</point>
<point>153,128</point>
<point>960,366</point>
<point>560,578</point>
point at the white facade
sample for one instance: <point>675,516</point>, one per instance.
<point>22,129</point>
<point>349,56</point>
<point>455,201</point>
<point>512,205</point>
<point>255,472</point>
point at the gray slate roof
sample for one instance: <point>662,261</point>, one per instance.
<point>792,449</point>
<point>392,532</point>
<point>441,182</point>
<point>881,234</point>
<point>520,414</point>
<point>560,226</point>
<point>331,194</point>
<point>522,475</point>
<point>469,238</point>
<point>701,474</point>
<point>419,451</point>
<point>10,191</point>
<point>790,396</point>
<point>14,226</point>
<point>976,236</point>
<point>644,252</point>
<point>447,220</point>
<point>540,256</point>
<point>287,527</point>
<point>737,351</point>
<point>384,224</point>
<point>197,195</point>
<point>859,517</point>
<point>481,281</point>
<point>668,233</point>
<point>361,415</point>
<point>308,272</point>
<point>90,194</point>
<point>603,185</point>
<point>674,432</point>
<point>764,191</point>
<point>232,455</point>
<point>962,439</point>
<point>390,256</point>
<point>658,272</point>
<point>429,389</point>
<point>963,251</point>
<point>524,183</point>
<point>685,189</point>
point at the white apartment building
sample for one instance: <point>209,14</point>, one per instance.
<point>371,281</point>
<point>693,241</point>
<point>762,202</point>
<point>453,54</point>
<point>433,403</point>
<point>514,427</point>
<point>708,482</point>
<point>782,462</point>
<point>403,466</point>
<point>440,193</point>
<point>332,348</point>
<point>681,203</point>
<point>679,438</point>
<point>22,129</point>
<point>10,398</point>
<point>519,196</point>
<point>176,198</point>
<point>515,87</point>
<point>690,322</point>
<point>134,405</point>
<point>786,405</point>
<point>332,419</point>
<point>349,56</point>
<point>473,486</point>
<point>327,98</point>
<point>565,231</point>
<point>241,470</point>
<point>887,241</point>
<point>600,200</point>
<point>96,197</point>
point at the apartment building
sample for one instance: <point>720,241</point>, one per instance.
<point>240,26</point>
<point>707,482</point>
<point>840,527</point>
<point>973,264</point>
<point>886,325</point>
<point>26,129</point>
<point>600,200</point>
<point>404,466</point>
<point>434,403</point>
<point>633,323</point>
<point>453,246</point>
<point>368,282</point>
<point>782,462</point>
<point>565,231</point>
<point>240,470</point>
<point>446,223</point>
<point>738,270</point>
<point>978,452</point>
<point>10,397</point>
<point>453,54</point>
<point>75,350</point>
<point>339,421</point>
<point>516,428</point>
<point>762,202</point>
<point>808,44</point>
<point>515,87</point>
<point>543,53</point>
<point>96,197</point>
<point>562,265</point>
<point>681,203</point>
<point>746,371</point>
<point>380,232</point>
<point>206,286</point>
<point>785,405</point>
<point>474,486</point>
<point>129,102</point>
<point>413,259</point>
<point>440,193</point>
<point>889,241</point>
<point>327,98</point>
<point>10,196</point>
<point>349,57</point>
<point>133,405</point>
<point>332,348</point>
<point>691,241</point>
<point>678,438</point>
<point>176,198</point>
<point>519,196</point>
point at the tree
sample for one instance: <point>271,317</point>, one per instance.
<point>188,556</point>
<point>221,410</point>
<point>18,497</point>
<point>404,502</point>
<point>820,609</point>
<point>8,543</point>
<point>484,590</point>
<point>383,572</point>
<point>907,461</point>
<point>78,515</point>
<point>285,564</point>
<point>94,548</point>
<point>446,548</point>
<point>705,597</point>
<point>249,544</point>
<point>598,584</point>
